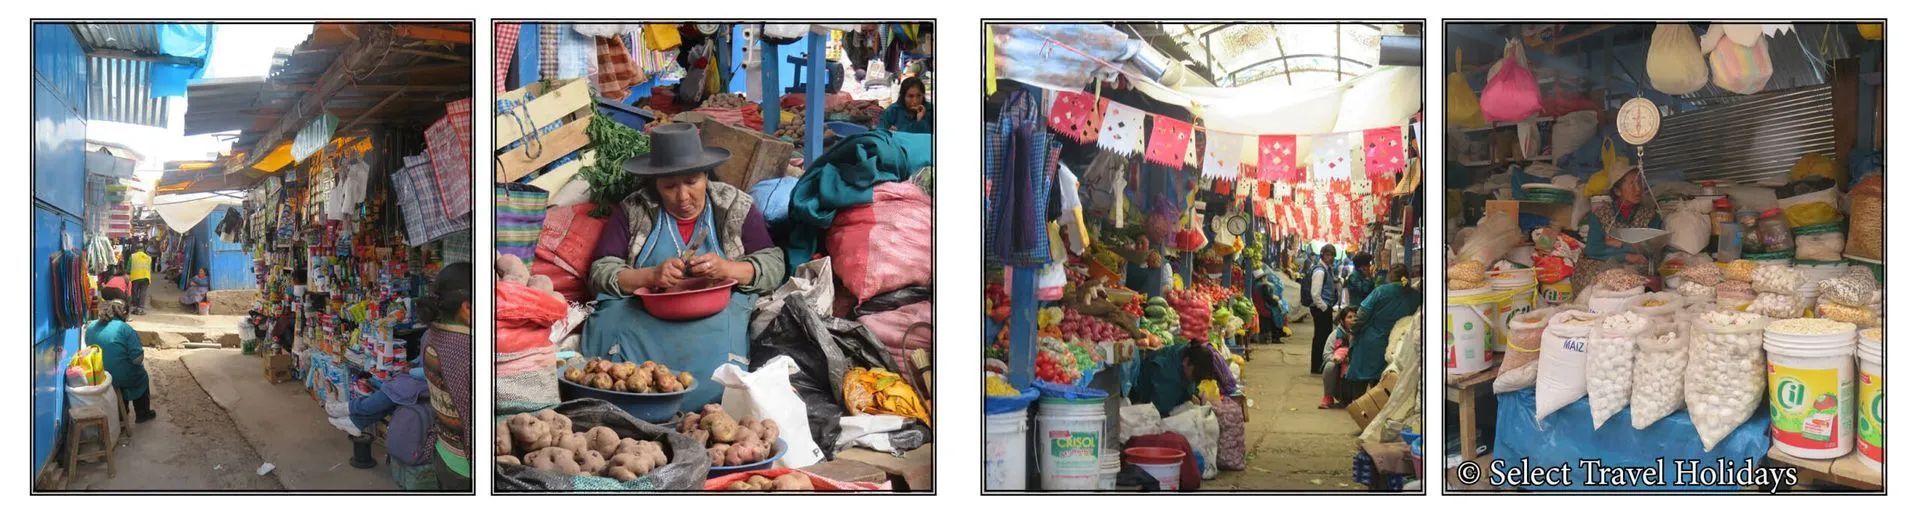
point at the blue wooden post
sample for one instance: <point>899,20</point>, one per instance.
<point>529,53</point>
<point>769,87</point>
<point>816,92</point>
<point>1023,326</point>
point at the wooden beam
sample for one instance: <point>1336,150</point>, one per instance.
<point>516,163</point>
<point>365,52</point>
<point>370,110</point>
<point>435,55</point>
<point>432,33</point>
<point>1845,85</point>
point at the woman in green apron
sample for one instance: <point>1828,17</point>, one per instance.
<point>681,229</point>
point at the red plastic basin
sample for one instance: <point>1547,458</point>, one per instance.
<point>1154,455</point>
<point>687,305</point>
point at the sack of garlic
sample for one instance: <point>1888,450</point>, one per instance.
<point>1726,372</point>
<point>1610,364</point>
<point>1659,374</point>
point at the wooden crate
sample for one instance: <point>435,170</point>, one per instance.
<point>570,103</point>
<point>756,156</point>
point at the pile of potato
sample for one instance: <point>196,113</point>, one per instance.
<point>546,440</point>
<point>787,482</point>
<point>627,377</point>
<point>730,442</point>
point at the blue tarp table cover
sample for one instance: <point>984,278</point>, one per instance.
<point>1567,436</point>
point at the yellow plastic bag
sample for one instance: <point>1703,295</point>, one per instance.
<point>1817,165</point>
<point>661,37</point>
<point>1463,107</point>
<point>1610,160</point>
<point>872,391</point>
<point>89,361</point>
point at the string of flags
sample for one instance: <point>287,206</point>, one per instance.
<point>1300,183</point>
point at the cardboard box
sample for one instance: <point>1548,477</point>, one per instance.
<point>277,368</point>
<point>1368,406</point>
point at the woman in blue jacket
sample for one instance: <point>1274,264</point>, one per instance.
<point>122,356</point>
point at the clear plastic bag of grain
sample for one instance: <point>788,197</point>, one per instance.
<point>1610,364</point>
<point>1726,372</point>
<point>1659,374</point>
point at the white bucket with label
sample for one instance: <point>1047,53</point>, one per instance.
<point>1870,432</point>
<point>1071,433</point>
<point>1109,468</point>
<point>1470,330</point>
<point>1810,394</point>
<point>1520,294</point>
<point>1006,465</point>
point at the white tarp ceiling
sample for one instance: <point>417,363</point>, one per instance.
<point>1383,97</point>
<point>183,212</point>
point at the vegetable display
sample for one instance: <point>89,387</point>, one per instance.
<point>1196,313</point>
<point>1160,322</point>
<point>626,377</point>
<point>787,482</point>
<point>730,442</point>
<point>545,440</point>
<point>607,179</point>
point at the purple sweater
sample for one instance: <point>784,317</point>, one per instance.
<point>614,237</point>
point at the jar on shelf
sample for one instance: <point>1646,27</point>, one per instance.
<point>1749,231</point>
<point>1775,234</point>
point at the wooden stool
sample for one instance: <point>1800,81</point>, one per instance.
<point>85,417</point>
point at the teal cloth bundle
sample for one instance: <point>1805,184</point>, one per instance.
<point>519,212</point>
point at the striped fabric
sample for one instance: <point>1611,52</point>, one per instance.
<point>519,212</point>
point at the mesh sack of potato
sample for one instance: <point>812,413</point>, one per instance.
<point>543,455</point>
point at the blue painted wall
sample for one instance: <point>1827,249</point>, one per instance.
<point>788,78</point>
<point>228,264</point>
<point>59,206</point>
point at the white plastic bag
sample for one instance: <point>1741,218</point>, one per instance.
<point>1573,130</point>
<point>1563,362</point>
<point>812,281</point>
<point>101,395</point>
<point>1201,427</point>
<point>1610,364</point>
<point>1142,419</point>
<point>768,394</point>
<point>1691,225</point>
<point>869,430</point>
<point>1726,372</point>
<point>1674,65</point>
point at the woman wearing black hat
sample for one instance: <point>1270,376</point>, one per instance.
<point>680,210</point>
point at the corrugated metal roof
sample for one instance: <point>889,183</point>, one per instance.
<point>1755,139</point>
<point>139,38</point>
<point>121,90</point>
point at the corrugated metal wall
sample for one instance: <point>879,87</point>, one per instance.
<point>59,208</point>
<point>1757,138</point>
<point>121,90</point>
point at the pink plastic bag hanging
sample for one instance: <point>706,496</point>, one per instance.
<point>1512,94</point>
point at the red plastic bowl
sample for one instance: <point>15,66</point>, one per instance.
<point>687,305</point>
<point>1154,455</point>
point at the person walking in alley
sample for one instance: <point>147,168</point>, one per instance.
<point>140,271</point>
<point>122,356</point>
<point>1322,285</point>
<point>448,359</point>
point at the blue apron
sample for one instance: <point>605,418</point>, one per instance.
<point>698,346</point>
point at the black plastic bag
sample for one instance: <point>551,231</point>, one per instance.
<point>825,349</point>
<point>893,300</point>
<point>686,468</point>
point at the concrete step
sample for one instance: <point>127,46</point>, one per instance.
<point>169,330</point>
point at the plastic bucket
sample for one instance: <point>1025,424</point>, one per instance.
<point>1470,331</point>
<point>1810,388</point>
<point>1072,432</point>
<point>1520,295</point>
<point>1006,464</point>
<point>1556,294</point>
<point>1109,469</point>
<point>1162,463</point>
<point>1870,431</point>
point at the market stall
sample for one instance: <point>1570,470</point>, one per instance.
<point>350,194</point>
<point>1665,245</point>
<point>1142,221</point>
<point>783,340</point>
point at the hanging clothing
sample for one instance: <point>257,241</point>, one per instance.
<point>549,51</point>
<point>620,329</point>
<point>844,176</point>
<point>1020,157</point>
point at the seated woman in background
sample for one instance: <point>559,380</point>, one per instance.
<point>912,112</point>
<point>123,357</point>
<point>196,293</point>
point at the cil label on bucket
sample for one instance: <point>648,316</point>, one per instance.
<point>1872,426</point>
<point>1808,406</point>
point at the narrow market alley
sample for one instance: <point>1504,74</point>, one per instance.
<point>1291,444</point>
<point>219,421</point>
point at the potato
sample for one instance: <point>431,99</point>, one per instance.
<point>664,382</point>
<point>686,380</point>
<point>628,466</point>
<point>600,381</point>
<point>741,486</point>
<point>574,442</point>
<point>700,435</point>
<point>760,482</point>
<point>502,439</point>
<point>689,421</point>
<point>603,440</point>
<point>792,482</point>
<point>719,425</point>
<point>623,370</point>
<point>529,433</point>
<point>576,375</point>
<point>718,454</point>
<point>643,379</point>
<point>620,385</point>
<point>591,462</point>
<point>507,460</point>
<point>555,459</point>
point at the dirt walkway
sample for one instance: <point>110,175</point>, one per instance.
<point>193,445</point>
<point>1291,444</point>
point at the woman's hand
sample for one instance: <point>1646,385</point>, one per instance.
<point>669,274</point>
<point>714,267</point>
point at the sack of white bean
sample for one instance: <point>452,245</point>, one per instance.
<point>1522,363</point>
<point>1726,372</point>
<point>1774,278</point>
<point>1610,364</point>
<point>1777,306</point>
<point>1563,362</point>
<point>1659,307</point>
<point>1856,287</point>
<point>1659,373</point>
<point>1694,292</point>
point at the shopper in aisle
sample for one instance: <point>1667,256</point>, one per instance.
<point>448,359</point>
<point>123,357</point>
<point>912,112</point>
<point>1359,281</point>
<point>1374,323</point>
<point>1321,284</point>
<point>681,230</point>
<point>140,271</point>
<point>113,285</point>
<point>1339,349</point>
<point>1630,209</point>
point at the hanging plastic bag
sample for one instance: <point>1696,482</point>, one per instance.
<point>1512,93</point>
<point>1674,65</point>
<point>766,394</point>
<point>1736,68</point>
<point>1573,130</point>
<point>1463,109</point>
